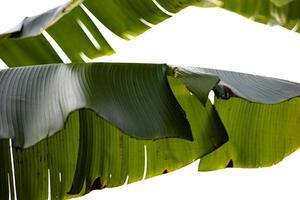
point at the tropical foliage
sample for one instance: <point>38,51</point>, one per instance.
<point>67,129</point>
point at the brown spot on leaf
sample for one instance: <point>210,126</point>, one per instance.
<point>165,171</point>
<point>227,93</point>
<point>230,164</point>
<point>97,185</point>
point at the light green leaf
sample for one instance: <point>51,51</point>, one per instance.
<point>261,117</point>
<point>281,2</point>
<point>6,175</point>
<point>259,135</point>
<point>285,13</point>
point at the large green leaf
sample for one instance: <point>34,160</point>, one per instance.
<point>111,169</point>
<point>125,18</point>
<point>260,116</point>
<point>122,17</point>
<point>259,89</point>
<point>110,154</point>
<point>90,153</point>
<point>93,153</point>
<point>282,12</point>
<point>136,98</point>
<point>259,135</point>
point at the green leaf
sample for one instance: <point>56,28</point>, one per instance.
<point>281,2</point>
<point>198,83</point>
<point>91,153</point>
<point>121,17</point>
<point>259,135</point>
<point>253,88</point>
<point>136,98</point>
<point>6,174</point>
<point>58,154</point>
<point>260,115</point>
<point>124,18</point>
<point>283,12</point>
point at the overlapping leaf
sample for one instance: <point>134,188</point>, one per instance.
<point>136,98</point>
<point>260,115</point>
<point>91,153</point>
<point>121,17</point>
<point>263,136</point>
<point>258,89</point>
<point>124,18</point>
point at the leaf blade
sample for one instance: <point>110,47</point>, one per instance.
<point>135,97</point>
<point>264,136</point>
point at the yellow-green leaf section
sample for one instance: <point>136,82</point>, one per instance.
<point>126,19</point>
<point>90,153</point>
<point>260,135</point>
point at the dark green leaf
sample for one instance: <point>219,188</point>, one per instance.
<point>136,98</point>
<point>122,17</point>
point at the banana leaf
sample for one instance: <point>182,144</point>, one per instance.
<point>83,148</point>
<point>36,101</point>
<point>262,126</point>
<point>263,136</point>
<point>37,39</point>
<point>92,152</point>
<point>66,127</point>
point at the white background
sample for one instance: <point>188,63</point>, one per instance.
<point>207,38</point>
